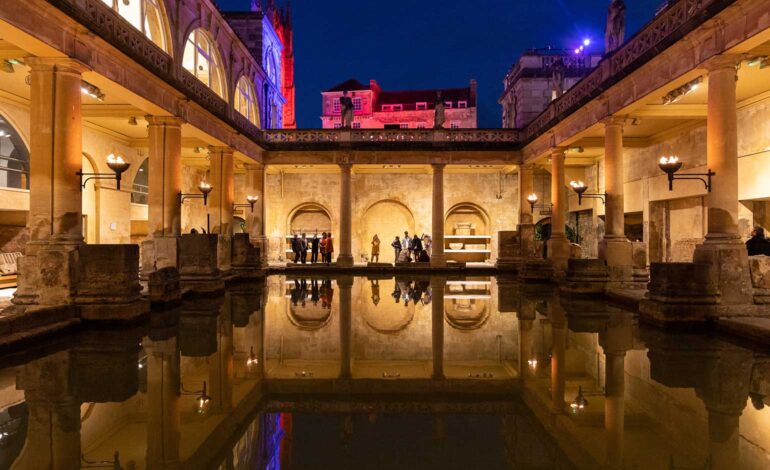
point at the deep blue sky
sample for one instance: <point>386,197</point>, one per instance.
<point>407,44</point>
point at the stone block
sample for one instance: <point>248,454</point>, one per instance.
<point>730,263</point>
<point>681,293</point>
<point>47,275</point>
<point>585,276</point>
<point>618,252</point>
<point>508,249</point>
<point>224,252</point>
<point>246,257</point>
<point>198,266</point>
<point>536,270</point>
<point>159,253</point>
<point>759,267</point>
<point>108,286</point>
<point>164,286</point>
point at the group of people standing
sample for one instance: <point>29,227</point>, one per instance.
<point>415,248</point>
<point>323,246</point>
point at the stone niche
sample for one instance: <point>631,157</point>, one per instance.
<point>108,283</point>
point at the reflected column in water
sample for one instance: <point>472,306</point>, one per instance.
<point>616,339</point>
<point>437,325</point>
<point>558,353</point>
<point>221,369</point>
<point>345,285</point>
<point>53,433</point>
<point>527,359</point>
<point>163,413</point>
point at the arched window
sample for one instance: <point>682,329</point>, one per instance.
<point>14,158</point>
<point>141,186</point>
<point>144,15</point>
<point>201,59</point>
<point>246,100</point>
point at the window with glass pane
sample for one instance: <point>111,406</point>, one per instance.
<point>201,59</point>
<point>144,15</point>
<point>246,100</point>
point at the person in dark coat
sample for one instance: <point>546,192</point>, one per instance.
<point>314,244</point>
<point>295,247</point>
<point>416,246</point>
<point>303,249</point>
<point>396,244</point>
<point>758,244</point>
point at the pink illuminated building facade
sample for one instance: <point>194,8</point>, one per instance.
<point>375,108</point>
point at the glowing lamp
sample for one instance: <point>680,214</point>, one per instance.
<point>670,165</point>
<point>202,402</point>
<point>580,189</point>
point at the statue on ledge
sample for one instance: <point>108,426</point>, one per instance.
<point>558,72</point>
<point>438,114</point>
<point>346,107</point>
<point>615,32</point>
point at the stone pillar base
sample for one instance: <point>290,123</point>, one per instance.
<point>224,253</point>
<point>585,276</point>
<point>160,267</point>
<point>198,267</point>
<point>246,257</point>
<point>108,287</point>
<point>438,261</point>
<point>681,293</point>
<point>47,275</point>
<point>558,253</point>
<point>164,286</point>
<point>344,261</point>
<point>759,266</point>
<point>535,270</point>
<point>618,253</point>
<point>730,261</point>
<point>261,242</point>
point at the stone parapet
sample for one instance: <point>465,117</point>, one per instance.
<point>585,276</point>
<point>246,258</point>
<point>108,283</point>
<point>198,267</point>
<point>536,270</point>
<point>681,292</point>
<point>164,286</point>
<point>759,266</point>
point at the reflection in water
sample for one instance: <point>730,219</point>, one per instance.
<point>427,372</point>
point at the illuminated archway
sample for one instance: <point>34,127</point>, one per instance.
<point>14,158</point>
<point>148,16</point>
<point>246,102</point>
<point>309,218</point>
<point>141,187</point>
<point>467,216</point>
<point>202,59</point>
<point>387,218</point>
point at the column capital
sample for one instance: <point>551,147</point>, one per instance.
<point>56,64</point>
<point>164,120</point>
<point>528,167</point>
<point>723,61</point>
<point>221,149</point>
<point>558,152</point>
<point>438,167</point>
<point>345,166</point>
<point>614,121</point>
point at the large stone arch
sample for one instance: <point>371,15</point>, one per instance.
<point>301,218</point>
<point>386,218</point>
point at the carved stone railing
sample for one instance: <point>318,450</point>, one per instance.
<point>492,139</point>
<point>673,23</point>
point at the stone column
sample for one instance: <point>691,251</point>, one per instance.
<point>723,247</point>
<point>345,256</point>
<point>165,176</point>
<point>221,372</point>
<point>615,247</point>
<point>165,184</point>
<point>345,284</point>
<point>163,413</point>
<point>558,245</point>
<point>255,220</point>
<point>438,258</point>
<point>558,354</point>
<point>221,202</point>
<point>526,317</point>
<point>437,325</point>
<point>526,187</point>
<point>55,208</point>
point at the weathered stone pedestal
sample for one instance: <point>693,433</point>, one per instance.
<point>108,287</point>
<point>224,253</point>
<point>515,246</point>
<point>730,263</point>
<point>47,275</point>
<point>246,258</point>
<point>535,270</point>
<point>198,267</point>
<point>559,253</point>
<point>160,267</point>
<point>684,293</point>
<point>585,277</point>
<point>639,259</point>
<point>759,266</point>
<point>618,253</point>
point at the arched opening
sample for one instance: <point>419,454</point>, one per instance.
<point>90,217</point>
<point>466,314</point>
<point>310,218</point>
<point>389,305</point>
<point>14,158</point>
<point>246,101</point>
<point>201,58</point>
<point>147,16</point>
<point>467,233</point>
<point>141,187</point>
<point>239,224</point>
<point>310,303</point>
<point>387,219</point>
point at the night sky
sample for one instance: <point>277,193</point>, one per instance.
<point>411,44</point>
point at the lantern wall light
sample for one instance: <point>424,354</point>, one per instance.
<point>116,164</point>
<point>251,200</point>
<point>670,165</point>
<point>580,189</point>
<point>204,188</point>
<point>532,199</point>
